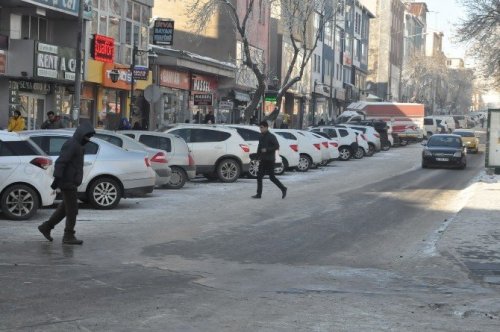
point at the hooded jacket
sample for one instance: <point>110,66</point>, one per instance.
<point>68,171</point>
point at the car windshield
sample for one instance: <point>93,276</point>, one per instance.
<point>464,133</point>
<point>447,141</point>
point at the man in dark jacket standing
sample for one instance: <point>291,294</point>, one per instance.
<point>52,122</point>
<point>68,175</point>
<point>266,152</point>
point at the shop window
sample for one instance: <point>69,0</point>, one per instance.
<point>156,142</point>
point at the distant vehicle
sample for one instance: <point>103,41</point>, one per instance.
<point>348,140</point>
<point>433,125</point>
<point>179,158</point>
<point>110,173</point>
<point>219,152</point>
<point>25,177</point>
<point>309,150</point>
<point>371,134</point>
<point>469,138</point>
<point>444,150</point>
<point>460,121</point>
<point>331,143</point>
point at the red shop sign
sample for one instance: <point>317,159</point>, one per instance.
<point>202,83</point>
<point>174,79</point>
<point>103,49</point>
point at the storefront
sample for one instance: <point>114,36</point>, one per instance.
<point>40,78</point>
<point>173,106</point>
<point>107,101</point>
<point>203,97</point>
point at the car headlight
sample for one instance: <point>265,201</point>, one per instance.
<point>427,153</point>
<point>457,154</point>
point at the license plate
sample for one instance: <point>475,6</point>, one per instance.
<point>442,159</point>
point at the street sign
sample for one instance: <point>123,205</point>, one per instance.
<point>163,32</point>
<point>152,93</point>
<point>226,105</point>
<point>141,73</point>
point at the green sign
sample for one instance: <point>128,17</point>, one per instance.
<point>66,6</point>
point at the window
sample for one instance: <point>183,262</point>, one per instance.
<point>248,135</point>
<point>343,133</point>
<point>129,135</point>
<point>110,139</point>
<point>331,132</point>
<point>33,27</point>
<point>4,150</point>
<point>156,142</point>
<point>54,145</point>
<point>185,133</point>
<point>205,136</point>
<point>90,148</point>
<point>21,148</point>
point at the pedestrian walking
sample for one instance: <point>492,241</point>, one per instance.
<point>482,122</point>
<point>209,118</point>
<point>16,122</point>
<point>68,175</point>
<point>52,122</point>
<point>266,152</point>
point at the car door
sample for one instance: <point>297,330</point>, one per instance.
<point>208,145</point>
<point>251,137</point>
<point>52,146</point>
<point>8,163</point>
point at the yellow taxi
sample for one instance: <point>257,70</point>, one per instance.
<point>469,139</point>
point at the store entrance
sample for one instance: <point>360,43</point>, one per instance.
<point>33,109</point>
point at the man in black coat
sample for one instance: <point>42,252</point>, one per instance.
<point>52,122</point>
<point>266,152</point>
<point>68,175</point>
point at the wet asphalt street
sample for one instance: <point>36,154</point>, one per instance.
<point>352,248</point>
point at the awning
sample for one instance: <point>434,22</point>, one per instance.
<point>241,96</point>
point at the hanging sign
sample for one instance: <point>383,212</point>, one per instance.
<point>163,32</point>
<point>202,99</point>
<point>103,48</point>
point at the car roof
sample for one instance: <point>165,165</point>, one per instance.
<point>202,126</point>
<point>11,136</point>
<point>148,132</point>
<point>446,135</point>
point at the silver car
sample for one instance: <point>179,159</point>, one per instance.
<point>179,158</point>
<point>109,172</point>
<point>157,157</point>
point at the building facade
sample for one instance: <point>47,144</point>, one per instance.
<point>37,59</point>
<point>385,59</point>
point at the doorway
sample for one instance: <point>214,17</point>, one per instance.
<point>33,109</point>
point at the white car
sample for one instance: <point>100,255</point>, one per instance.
<point>372,136</point>
<point>348,140</point>
<point>157,157</point>
<point>218,151</point>
<point>179,158</point>
<point>25,177</point>
<point>332,144</point>
<point>110,173</point>
<point>329,152</point>
<point>309,150</point>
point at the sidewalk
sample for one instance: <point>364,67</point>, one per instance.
<point>473,237</point>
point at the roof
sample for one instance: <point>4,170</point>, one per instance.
<point>418,8</point>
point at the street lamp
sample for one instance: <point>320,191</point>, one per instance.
<point>136,52</point>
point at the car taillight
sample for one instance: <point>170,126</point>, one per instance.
<point>190,159</point>
<point>334,144</point>
<point>245,147</point>
<point>146,161</point>
<point>294,147</point>
<point>325,144</point>
<point>160,157</point>
<point>41,162</point>
<point>317,146</point>
<point>376,135</point>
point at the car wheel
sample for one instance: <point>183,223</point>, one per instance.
<point>344,153</point>
<point>253,169</point>
<point>386,146</point>
<point>228,170</point>
<point>104,193</point>
<point>177,179</point>
<point>371,149</point>
<point>19,202</point>
<point>280,170</point>
<point>360,153</point>
<point>305,163</point>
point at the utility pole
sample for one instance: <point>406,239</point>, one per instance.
<point>135,50</point>
<point>78,70</point>
<point>332,71</point>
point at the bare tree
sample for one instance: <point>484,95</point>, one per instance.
<point>481,30</point>
<point>296,18</point>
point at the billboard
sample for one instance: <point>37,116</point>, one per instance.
<point>493,139</point>
<point>163,32</point>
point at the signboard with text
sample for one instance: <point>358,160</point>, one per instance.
<point>202,99</point>
<point>65,6</point>
<point>55,62</point>
<point>103,48</point>
<point>163,32</point>
<point>3,63</point>
<point>141,73</point>
<point>174,79</point>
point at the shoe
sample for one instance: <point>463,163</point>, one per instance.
<point>256,196</point>
<point>69,238</point>
<point>283,193</point>
<point>45,232</point>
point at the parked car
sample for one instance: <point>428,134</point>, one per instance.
<point>329,148</point>
<point>309,150</point>
<point>383,128</point>
<point>25,177</point>
<point>110,173</point>
<point>372,136</point>
<point>251,135</point>
<point>179,158</point>
<point>434,125</point>
<point>347,139</point>
<point>444,150</point>
<point>218,151</point>
<point>469,138</point>
<point>332,144</point>
<point>157,157</point>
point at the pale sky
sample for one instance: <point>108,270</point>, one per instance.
<point>443,16</point>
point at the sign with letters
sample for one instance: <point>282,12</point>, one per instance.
<point>103,49</point>
<point>202,99</point>
<point>163,32</point>
<point>55,62</point>
<point>66,6</point>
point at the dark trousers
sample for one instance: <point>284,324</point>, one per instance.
<point>267,167</point>
<point>67,208</point>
